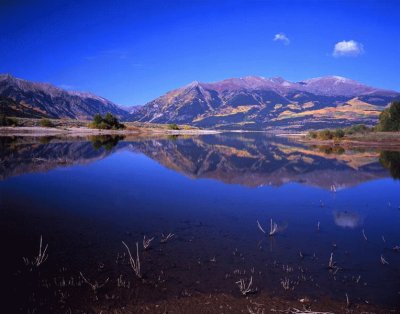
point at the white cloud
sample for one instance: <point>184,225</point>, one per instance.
<point>282,38</point>
<point>348,48</point>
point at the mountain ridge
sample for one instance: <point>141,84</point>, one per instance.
<point>23,98</point>
<point>260,103</point>
<point>249,102</point>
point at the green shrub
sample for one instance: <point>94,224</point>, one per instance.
<point>108,122</point>
<point>46,123</point>
<point>173,126</point>
<point>358,128</point>
<point>389,119</point>
<point>339,133</point>
<point>313,134</point>
<point>5,121</point>
<point>325,135</point>
<point>97,119</point>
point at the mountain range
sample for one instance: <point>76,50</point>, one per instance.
<point>250,102</point>
<point>21,98</point>
<point>266,103</point>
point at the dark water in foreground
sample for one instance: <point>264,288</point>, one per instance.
<point>86,196</point>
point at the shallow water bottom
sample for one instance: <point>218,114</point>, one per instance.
<point>152,187</point>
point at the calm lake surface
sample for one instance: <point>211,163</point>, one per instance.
<point>85,196</point>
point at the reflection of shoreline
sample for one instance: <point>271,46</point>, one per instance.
<point>258,161</point>
<point>247,159</point>
<point>377,140</point>
<point>40,154</point>
<point>391,160</point>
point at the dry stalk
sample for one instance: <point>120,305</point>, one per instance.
<point>165,238</point>
<point>147,242</point>
<point>331,264</point>
<point>384,261</point>
<point>244,288</point>
<point>286,283</point>
<point>297,311</point>
<point>273,228</point>
<point>40,258</point>
<point>94,286</point>
<point>256,310</point>
<point>135,263</point>
<point>259,227</point>
<point>365,237</point>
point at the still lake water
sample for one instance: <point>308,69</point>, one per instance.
<point>85,196</point>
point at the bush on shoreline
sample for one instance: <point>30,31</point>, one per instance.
<point>389,119</point>
<point>6,121</point>
<point>108,122</point>
<point>46,123</point>
<point>338,134</point>
<point>173,126</point>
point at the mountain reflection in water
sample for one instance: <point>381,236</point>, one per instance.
<point>87,195</point>
<point>246,159</point>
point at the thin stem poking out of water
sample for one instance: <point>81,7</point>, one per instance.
<point>135,263</point>
<point>94,286</point>
<point>165,238</point>
<point>259,227</point>
<point>147,242</point>
<point>245,288</point>
<point>365,237</point>
<point>273,228</point>
<point>384,261</point>
<point>40,258</point>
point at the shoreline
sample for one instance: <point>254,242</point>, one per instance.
<point>84,131</point>
<point>380,140</point>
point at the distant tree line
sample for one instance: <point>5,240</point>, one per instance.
<point>108,122</point>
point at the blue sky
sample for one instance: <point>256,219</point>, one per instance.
<point>134,51</point>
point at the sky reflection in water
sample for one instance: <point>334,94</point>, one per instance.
<point>209,191</point>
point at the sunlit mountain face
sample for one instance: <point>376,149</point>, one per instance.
<point>249,102</point>
<point>246,159</point>
<point>254,102</point>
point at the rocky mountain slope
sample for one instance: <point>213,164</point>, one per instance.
<point>266,103</point>
<point>237,103</point>
<point>21,98</point>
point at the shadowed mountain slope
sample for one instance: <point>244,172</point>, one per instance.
<point>21,98</point>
